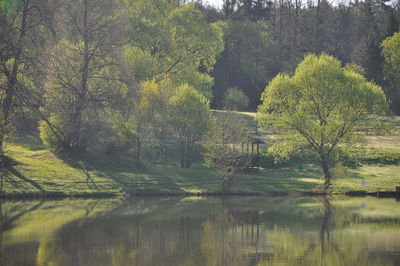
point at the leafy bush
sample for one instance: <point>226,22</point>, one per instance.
<point>269,159</point>
<point>370,156</point>
<point>49,139</point>
<point>235,99</point>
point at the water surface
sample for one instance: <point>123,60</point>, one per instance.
<point>201,231</point>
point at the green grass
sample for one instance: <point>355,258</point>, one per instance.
<point>41,172</point>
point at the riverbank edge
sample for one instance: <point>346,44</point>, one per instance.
<point>101,195</point>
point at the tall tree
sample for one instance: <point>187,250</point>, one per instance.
<point>83,76</point>
<point>391,53</point>
<point>224,146</point>
<point>154,108</point>
<point>174,41</point>
<point>190,117</point>
<point>245,63</point>
<point>323,106</point>
<point>23,23</point>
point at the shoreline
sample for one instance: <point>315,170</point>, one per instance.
<point>113,195</point>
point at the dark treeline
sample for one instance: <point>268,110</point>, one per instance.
<point>263,38</point>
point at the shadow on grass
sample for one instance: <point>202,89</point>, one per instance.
<point>282,180</point>
<point>10,172</point>
<point>30,142</point>
<point>121,170</point>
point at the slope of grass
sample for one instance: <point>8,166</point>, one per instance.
<point>41,172</point>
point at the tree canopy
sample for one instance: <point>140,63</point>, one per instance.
<point>322,105</point>
<point>174,41</point>
<point>391,54</point>
<point>190,117</point>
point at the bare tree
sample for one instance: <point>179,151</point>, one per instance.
<point>83,72</point>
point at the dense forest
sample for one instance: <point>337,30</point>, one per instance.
<point>263,38</point>
<point>140,76</point>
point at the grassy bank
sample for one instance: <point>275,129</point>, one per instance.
<point>39,172</point>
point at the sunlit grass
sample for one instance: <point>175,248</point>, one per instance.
<point>369,178</point>
<point>39,171</point>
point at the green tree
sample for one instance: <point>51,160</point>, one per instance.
<point>391,53</point>
<point>246,62</point>
<point>83,75</point>
<point>322,105</point>
<point>224,146</point>
<point>172,40</point>
<point>153,112</point>
<point>23,25</point>
<point>190,117</point>
<point>235,99</point>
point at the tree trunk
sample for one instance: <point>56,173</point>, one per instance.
<point>75,135</point>
<point>318,21</point>
<point>182,153</point>
<point>2,135</point>
<point>188,156</point>
<point>2,176</point>
<point>327,175</point>
<point>138,149</point>
<point>12,80</point>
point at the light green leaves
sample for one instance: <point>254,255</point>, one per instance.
<point>190,112</point>
<point>172,41</point>
<point>322,105</point>
<point>391,54</point>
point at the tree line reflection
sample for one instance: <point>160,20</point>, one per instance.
<point>310,232</point>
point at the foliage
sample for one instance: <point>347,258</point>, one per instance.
<point>349,31</point>
<point>153,114</point>
<point>170,40</point>
<point>322,106</point>
<point>48,134</point>
<point>224,147</point>
<point>83,79</point>
<point>23,27</point>
<point>246,61</point>
<point>235,99</point>
<point>190,117</point>
<point>370,156</point>
<point>391,54</point>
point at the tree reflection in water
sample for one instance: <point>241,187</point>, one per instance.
<point>202,231</point>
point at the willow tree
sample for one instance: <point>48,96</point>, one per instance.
<point>322,106</point>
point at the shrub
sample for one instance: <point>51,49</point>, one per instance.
<point>48,136</point>
<point>235,99</point>
<point>370,156</point>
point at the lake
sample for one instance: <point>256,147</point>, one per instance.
<point>206,231</point>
